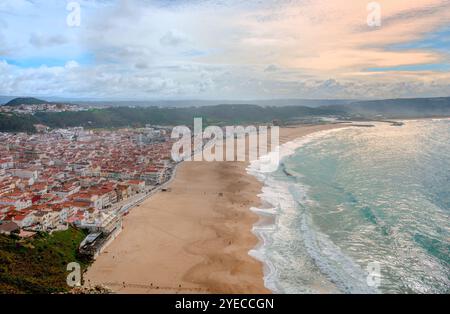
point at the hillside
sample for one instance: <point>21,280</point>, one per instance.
<point>226,114</point>
<point>312,103</point>
<point>38,265</point>
<point>25,101</point>
<point>10,122</point>
<point>138,117</point>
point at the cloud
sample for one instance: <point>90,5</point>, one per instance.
<point>44,41</point>
<point>71,64</point>
<point>172,38</point>
<point>11,6</point>
<point>3,49</point>
<point>117,81</point>
<point>271,68</point>
<point>231,49</point>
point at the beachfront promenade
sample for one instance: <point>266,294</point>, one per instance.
<point>125,206</point>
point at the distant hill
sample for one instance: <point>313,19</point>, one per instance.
<point>213,115</point>
<point>402,107</point>
<point>238,114</point>
<point>25,101</point>
<point>225,114</point>
<point>312,103</point>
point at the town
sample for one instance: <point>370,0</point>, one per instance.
<point>41,107</point>
<point>83,178</point>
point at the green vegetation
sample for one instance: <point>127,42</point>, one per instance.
<point>116,117</point>
<point>138,117</point>
<point>10,122</point>
<point>38,265</point>
<point>25,101</point>
<point>221,114</point>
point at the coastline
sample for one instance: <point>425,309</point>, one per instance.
<point>195,238</point>
<point>272,202</point>
<point>320,219</point>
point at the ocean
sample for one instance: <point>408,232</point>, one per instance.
<point>359,210</point>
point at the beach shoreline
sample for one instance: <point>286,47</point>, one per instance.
<point>270,208</point>
<point>195,238</point>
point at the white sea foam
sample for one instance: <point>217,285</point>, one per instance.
<point>339,267</point>
<point>279,199</point>
<point>257,167</point>
<point>362,214</point>
<point>277,196</point>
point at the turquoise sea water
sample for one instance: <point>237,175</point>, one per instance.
<point>357,197</point>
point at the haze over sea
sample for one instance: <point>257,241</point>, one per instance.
<point>346,198</point>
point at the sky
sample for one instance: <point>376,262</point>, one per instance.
<point>225,49</point>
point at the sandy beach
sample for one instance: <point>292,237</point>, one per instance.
<point>194,238</point>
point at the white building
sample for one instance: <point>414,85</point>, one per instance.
<point>19,204</point>
<point>47,220</point>
<point>25,174</point>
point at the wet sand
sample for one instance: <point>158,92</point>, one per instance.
<point>195,238</point>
